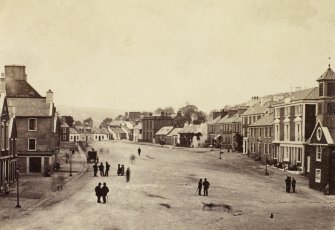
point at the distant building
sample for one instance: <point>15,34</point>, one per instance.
<point>133,116</point>
<point>161,135</point>
<point>138,132</point>
<point>151,124</point>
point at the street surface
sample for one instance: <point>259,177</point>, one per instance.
<point>161,194</point>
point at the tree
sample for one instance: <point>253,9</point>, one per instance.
<point>106,122</point>
<point>78,123</point>
<point>120,118</point>
<point>188,111</point>
<point>69,120</point>
<point>168,110</point>
<point>88,121</point>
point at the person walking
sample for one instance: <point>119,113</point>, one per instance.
<point>327,189</point>
<point>206,186</point>
<point>288,184</point>
<point>107,168</point>
<point>101,169</point>
<point>118,172</point>
<point>122,170</point>
<point>95,169</point>
<point>98,192</point>
<point>6,185</point>
<point>104,192</point>
<point>199,187</point>
<point>293,184</point>
<point>127,175</point>
<point>139,151</point>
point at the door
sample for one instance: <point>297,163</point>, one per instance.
<point>35,164</point>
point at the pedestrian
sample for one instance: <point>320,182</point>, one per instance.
<point>6,187</point>
<point>139,151</point>
<point>288,184</point>
<point>104,192</point>
<point>95,169</point>
<point>293,184</point>
<point>118,170</point>
<point>127,174</point>
<point>98,192</point>
<point>199,187</point>
<point>122,170</point>
<point>327,189</point>
<point>206,186</point>
<point>107,169</point>
<point>101,169</point>
<point>221,152</point>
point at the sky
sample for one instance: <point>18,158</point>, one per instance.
<point>141,55</point>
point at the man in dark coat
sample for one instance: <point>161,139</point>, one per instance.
<point>293,184</point>
<point>122,170</point>
<point>288,184</point>
<point>199,187</point>
<point>104,192</point>
<point>107,168</point>
<point>98,192</point>
<point>206,186</point>
<point>101,169</point>
<point>118,170</point>
<point>139,151</point>
<point>95,169</point>
<point>127,175</point>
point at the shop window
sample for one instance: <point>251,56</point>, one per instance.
<point>317,175</point>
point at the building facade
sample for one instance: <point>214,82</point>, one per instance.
<point>151,124</point>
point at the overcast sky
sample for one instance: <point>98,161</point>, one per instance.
<point>140,55</point>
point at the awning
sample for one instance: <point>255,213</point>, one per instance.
<point>218,136</point>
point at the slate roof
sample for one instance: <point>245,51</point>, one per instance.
<point>306,94</point>
<point>20,88</point>
<point>222,119</point>
<point>64,125</point>
<point>164,130</point>
<point>174,132</point>
<point>117,130</point>
<point>266,120</point>
<point>257,108</point>
<point>214,121</point>
<point>30,107</point>
<point>328,75</point>
<point>189,129</point>
<point>100,131</point>
<point>238,120</point>
<point>231,119</point>
<point>73,130</point>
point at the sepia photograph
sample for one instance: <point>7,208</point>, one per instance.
<point>167,114</point>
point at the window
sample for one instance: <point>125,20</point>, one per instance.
<point>64,137</point>
<point>320,110</point>
<point>298,110</point>
<point>277,114</point>
<point>287,111</point>
<point>64,130</point>
<point>32,144</point>
<point>331,108</point>
<point>298,131</point>
<point>266,148</point>
<point>71,138</point>
<point>299,155</point>
<point>260,132</point>
<point>318,153</point>
<point>287,132</point>
<point>321,89</point>
<point>32,124</point>
<point>265,131</point>
<point>330,89</point>
<point>277,132</point>
<point>317,175</point>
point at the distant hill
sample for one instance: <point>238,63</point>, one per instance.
<point>81,113</point>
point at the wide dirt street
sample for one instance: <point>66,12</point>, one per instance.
<point>161,194</point>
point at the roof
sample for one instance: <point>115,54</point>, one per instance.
<point>266,120</point>
<point>222,119</point>
<point>231,119</point>
<point>214,121</point>
<point>328,75</point>
<point>174,132</point>
<point>189,129</point>
<point>164,130</point>
<point>257,108</point>
<point>100,131</point>
<point>73,130</point>
<point>117,130</point>
<point>115,123</point>
<point>64,125</point>
<point>20,88</point>
<point>37,107</point>
<point>238,120</point>
<point>306,94</point>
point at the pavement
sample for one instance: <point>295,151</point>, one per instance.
<point>35,190</point>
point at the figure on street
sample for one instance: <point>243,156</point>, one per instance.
<point>107,168</point>
<point>95,169</point>
<point>122,170</point>
<point>199,187</point>
<point>288,184</point>
<point>206,186</point>
<point>104,192</point>
<point>127,175</point>
<point>101,169</point>
<point>6,187</point>
<point>293,184</point>
<point>139,151</point>
<point>98,192</point>
<point>118,172</point>
<point>327,189</point>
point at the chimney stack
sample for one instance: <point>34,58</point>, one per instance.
<point>16,72</point>
<point>50,97</point>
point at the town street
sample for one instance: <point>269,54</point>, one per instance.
<point>161,194</point>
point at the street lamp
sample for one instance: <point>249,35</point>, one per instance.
<point>17,187</point>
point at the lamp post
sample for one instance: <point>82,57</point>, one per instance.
<point>17,187</point>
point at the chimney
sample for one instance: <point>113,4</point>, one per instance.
<point>16,72</point>
<point>2,85</point>
<point>50,96</point>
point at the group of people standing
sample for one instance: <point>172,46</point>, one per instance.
<point>290,182</point>
<point>204,184</point>
<point>120,172</point>
<point>102,169</point>
<point>101,192</point>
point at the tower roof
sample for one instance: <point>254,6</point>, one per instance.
<point>328,75</point>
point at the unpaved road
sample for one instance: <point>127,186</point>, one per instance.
<point>161,195</point>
